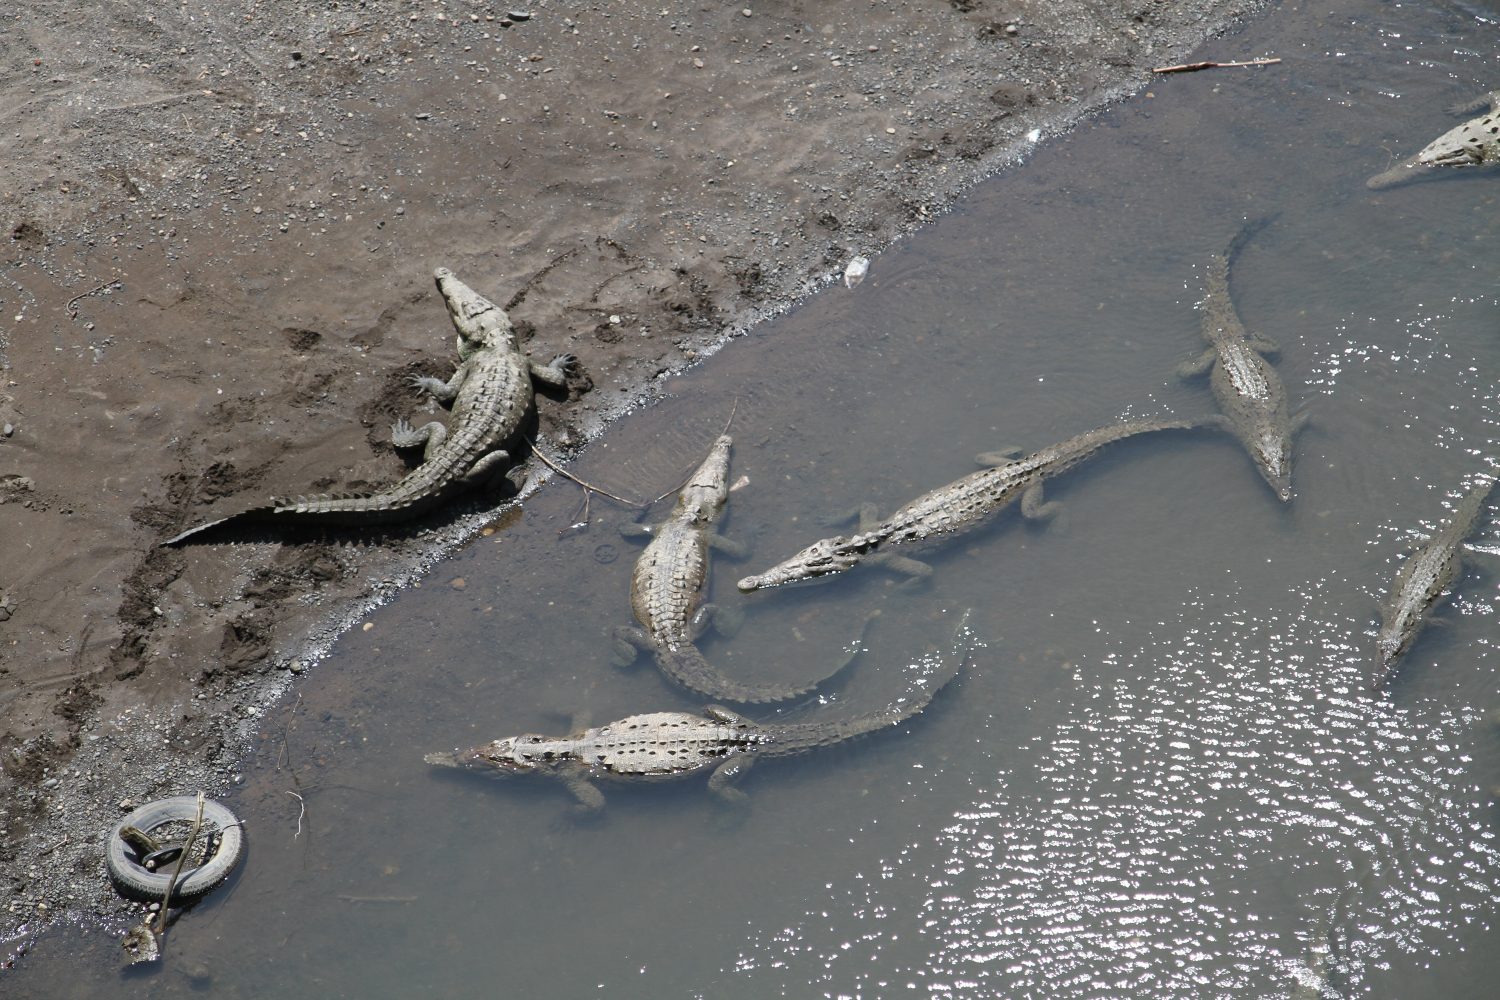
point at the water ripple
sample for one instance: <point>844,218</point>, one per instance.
<point>1225,812</point>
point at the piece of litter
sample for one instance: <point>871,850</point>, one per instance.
<point>1034,135</point>
<point>856,270</point>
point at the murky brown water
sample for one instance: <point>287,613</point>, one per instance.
<point>1163,775</point>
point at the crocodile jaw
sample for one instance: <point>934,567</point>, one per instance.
<point>822,558</point>
<point>479,322</point>
<point>1273,458</point>
<point>498,758</point>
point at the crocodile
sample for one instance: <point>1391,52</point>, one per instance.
<point>949,510</point>
<point>1474,143</point>
<point>1424,579</point>
<point>491,395</point>
<point>667,586</point>
<point>1246,386</point>
<point>660,746</point>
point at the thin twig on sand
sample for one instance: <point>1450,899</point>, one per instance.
<point>1195,67</point>
<point>166,900</point>
<point>568,475</point>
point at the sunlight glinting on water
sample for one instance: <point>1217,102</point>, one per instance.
<point>1230,743</point>
<point>1226,808</point>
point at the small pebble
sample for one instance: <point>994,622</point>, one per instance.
<point>8,430</point>
<point>50,783</point>
<point>459,583</point>
<point>518,15</point>
<point>747,11</point>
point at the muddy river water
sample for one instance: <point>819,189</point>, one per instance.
<point>1164,774</point>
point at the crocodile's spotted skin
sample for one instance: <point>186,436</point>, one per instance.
<point>950,510</point>
<point>659,746</point>
<point>1475,143</point>
<point>1248,390</point>
<point>1424,579</point>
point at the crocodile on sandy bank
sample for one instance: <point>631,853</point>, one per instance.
<point>667,587</point>
<point>491,395</point>
<point>660,746</point>
<point>1424,579</point>
<point>1474,143</point>
<point>949,510</point>
<point>1247,388</point>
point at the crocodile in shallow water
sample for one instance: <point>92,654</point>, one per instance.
<point>660,746</point>
<point>937,516</point>
<point>667,587</point>
<point>1475,143</point>
<point>1424,579</point>
<point>491,395</point>
<point>1247,388</point>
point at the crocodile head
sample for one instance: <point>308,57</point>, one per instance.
<point>1468,145</point>
<point>498,758</point>
<point>707,489</point>
<point>1389,646</point>
<point>479,322</point>
<point>822,558</point>
<point>1273,456</point>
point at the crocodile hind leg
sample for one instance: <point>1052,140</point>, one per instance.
<point>728,771</point>
<point>431,435</point>
<point>554,372</point>
<point>629,642</point>
<point>489,470</point>
<point>866,515</point>
<point>728,547</point>
<point>1198,366</point>
<point>1300,420</point>
<point>725,621</point>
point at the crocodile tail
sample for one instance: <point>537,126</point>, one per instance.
<point>804,736</point>
<point>687,667</point>
<point>1219,264</point>
<point>380,508</point>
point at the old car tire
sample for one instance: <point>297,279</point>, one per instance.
<point>139,882</point>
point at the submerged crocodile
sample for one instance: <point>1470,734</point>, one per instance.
<point>660,746</point>
<point>1424,579</point>
<point>1472,144</point>
<point>668,582</point>
<point>491,395</point>
<point>1247,388</point>
<point>949,510</point>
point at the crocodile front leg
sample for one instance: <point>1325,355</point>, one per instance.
<point>732,767</point>
<point>1198,366</point>
<point>1264,346</point>
<point>590,799</point>
<point>915,570</point>
<point>998,457</point>
<point>442,391</point>
<point>554,372</point>
<point>1480,103</point>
